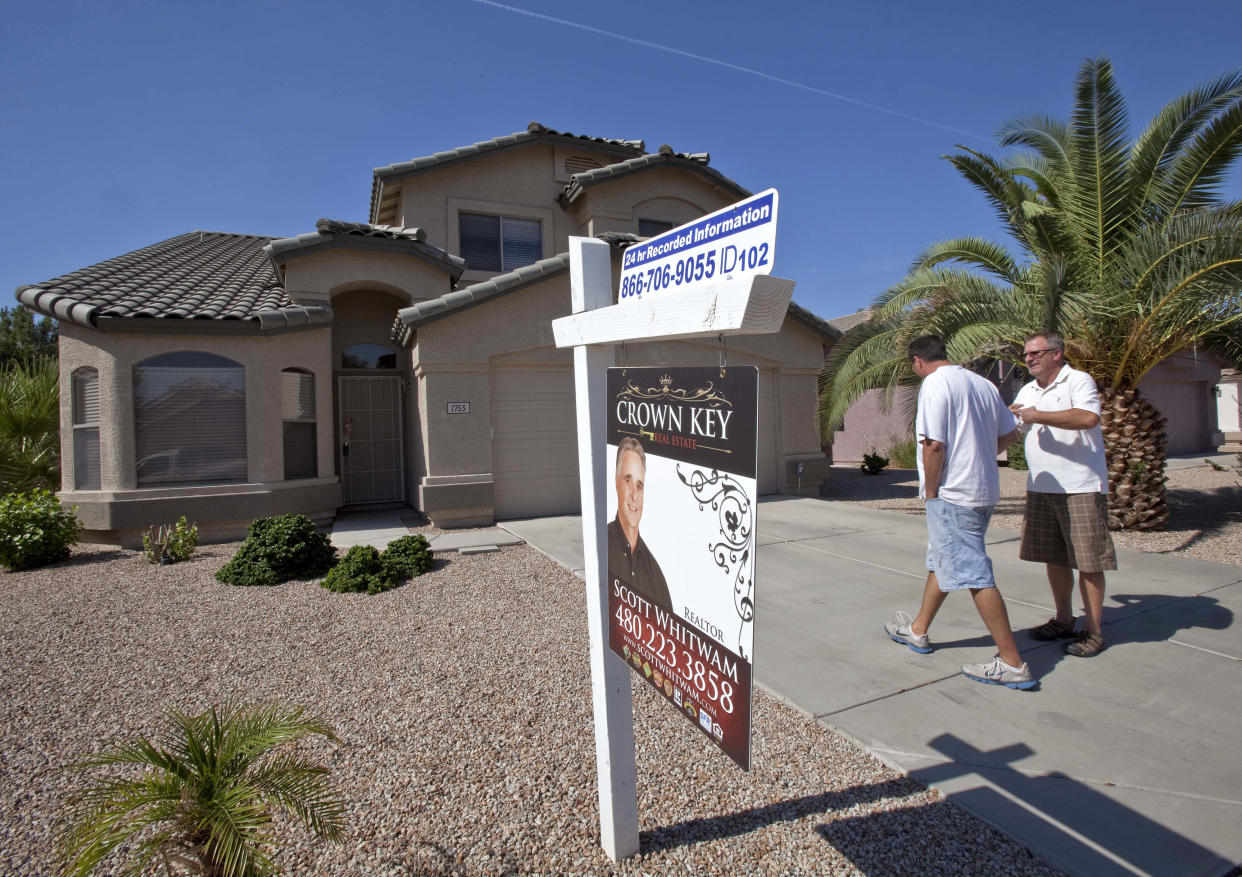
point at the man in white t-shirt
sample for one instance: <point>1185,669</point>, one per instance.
<point>962,425</point>
<point>1066,522</point>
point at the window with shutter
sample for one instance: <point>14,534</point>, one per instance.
<point>190,419</point>
<point>649,228</point>
<point>499,243</point>
<point>85,429</point>
<point>297,412</point>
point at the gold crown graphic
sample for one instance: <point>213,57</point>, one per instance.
<point>665,382</point>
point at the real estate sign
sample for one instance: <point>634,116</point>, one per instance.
<point>737,241</point>
<point>681,445</point>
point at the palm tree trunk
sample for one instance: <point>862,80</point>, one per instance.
<point>1135,443</point>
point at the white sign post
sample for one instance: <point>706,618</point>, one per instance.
<point>740,303</point>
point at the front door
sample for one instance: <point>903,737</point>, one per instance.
<point>369,448</point>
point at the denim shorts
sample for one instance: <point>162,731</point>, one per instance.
<point>956,550</point>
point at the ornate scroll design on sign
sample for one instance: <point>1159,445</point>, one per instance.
<point>736,513</point>
<point>708,395</point>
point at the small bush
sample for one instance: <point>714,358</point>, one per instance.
<point>35,529</point>
<point>360,571</point>
<point>407,557</point>
<point>279,549</point>
<point>902,454</point>
<point>170,544</point>
<point>1016,454</point>
<point>873,463</point>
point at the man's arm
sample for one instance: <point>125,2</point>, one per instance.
<point>1071,418</point>
<point>933,465</point>
<point>1009,438</point>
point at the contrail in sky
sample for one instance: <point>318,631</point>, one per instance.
<point>740,69</point>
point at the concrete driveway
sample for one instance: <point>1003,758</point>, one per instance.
<point>1127,763</point>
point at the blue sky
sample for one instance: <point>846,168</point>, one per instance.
<point>126,123</point>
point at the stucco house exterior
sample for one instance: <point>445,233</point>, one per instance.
<point>405,360</point>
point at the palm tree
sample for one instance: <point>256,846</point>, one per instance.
<point>1125,249</point>
<point>205,793</point>
<point>30,424</point>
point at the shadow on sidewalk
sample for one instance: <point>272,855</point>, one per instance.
<point>1091,833</point>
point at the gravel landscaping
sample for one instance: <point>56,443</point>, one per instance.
<point>463,703</point>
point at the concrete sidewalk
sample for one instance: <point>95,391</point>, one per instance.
<point>1127,763</point>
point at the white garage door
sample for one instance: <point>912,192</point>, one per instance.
<point>534,442</point>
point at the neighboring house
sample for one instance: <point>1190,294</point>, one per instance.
<point>1182,388</point>
<point>408,359</point>
<point>1229,407</point>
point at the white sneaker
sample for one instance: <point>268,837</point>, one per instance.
<point>898,631</point>
<point>997,672</point>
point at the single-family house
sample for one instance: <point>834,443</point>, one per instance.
<point>407,359</point>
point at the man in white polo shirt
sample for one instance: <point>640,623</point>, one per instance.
<point>1066,522</point>
<point>961,425</point>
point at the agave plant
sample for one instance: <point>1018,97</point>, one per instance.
<point>202,794</point>
<point>1124,247</point>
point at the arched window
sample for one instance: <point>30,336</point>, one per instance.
<point>369,356</point>
<point>85,429</point>
<point>297,411</point>
<point>190,419</point>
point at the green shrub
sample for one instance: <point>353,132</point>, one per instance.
<point>170,544</point>
<point>873,463</point>
<point>360,571</point>
<point>279,549</point>
<point>407,557</point>
<point>902,454</point>
<point>35,529</point>
<point>1016,455</point>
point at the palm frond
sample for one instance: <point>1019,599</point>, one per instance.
<point>1098,162</point>
<point>1164,140</point>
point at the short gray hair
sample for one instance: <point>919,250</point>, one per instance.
<point>1052,339</point>
<point>629,443</point>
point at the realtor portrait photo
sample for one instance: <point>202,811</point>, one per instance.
<point>630,561</point>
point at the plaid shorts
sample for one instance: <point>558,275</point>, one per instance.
<point>1068,529</point>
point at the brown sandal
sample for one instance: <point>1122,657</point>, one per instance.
<point>1087,645</point>
<point>1053,629</point>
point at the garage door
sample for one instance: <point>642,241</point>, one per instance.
<point>1184,406</point>
<point>534,442</point>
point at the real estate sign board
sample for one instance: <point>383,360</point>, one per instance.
<point>737,241</point>
<point>681,539</point>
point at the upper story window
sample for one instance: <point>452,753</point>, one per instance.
<point>499,243</point>
<point>85,429</point>
<point>189,419</point>
<point>649,228</point>
<point>368,356</point>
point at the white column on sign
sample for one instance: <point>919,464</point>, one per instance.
<point>590,278</point>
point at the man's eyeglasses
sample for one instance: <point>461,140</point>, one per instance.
<point>1037,353</point>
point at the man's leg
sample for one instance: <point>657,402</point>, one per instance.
<point>933,599</point>
<point>1091,585</point>
<point>1061,580</point>
<point>995,616</point>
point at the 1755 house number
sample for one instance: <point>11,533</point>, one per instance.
<point>678,657</point>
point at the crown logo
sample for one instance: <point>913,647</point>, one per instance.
<point>665,382</point>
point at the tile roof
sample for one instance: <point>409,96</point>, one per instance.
<point>331,233</point>
<point>409,319</point>
<point>849,321</point>
<point>696,161</point>
<point>534,132</point>
<point>199,276</point>
<point>433,309</point>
